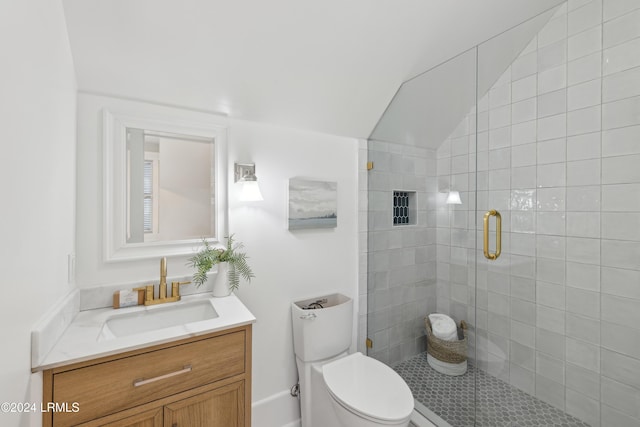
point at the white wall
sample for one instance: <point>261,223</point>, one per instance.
<point>288,266</point>
<point>37,180</point>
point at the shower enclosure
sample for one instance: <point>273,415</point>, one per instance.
<point>540,124</point>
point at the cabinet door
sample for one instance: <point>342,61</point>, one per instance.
<point>222,407</point>
<point>151,418</point>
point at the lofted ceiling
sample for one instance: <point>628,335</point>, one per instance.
<point>331,66</point>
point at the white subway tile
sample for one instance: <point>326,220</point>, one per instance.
<point>550,223</point>
<point>524,65</point>
<point>625,112</point>
<point>522,333</point>
<point>619,310</point>
<point>524,111</point>
<point>499,96</point>
<point>585,17</point>
<point>621,141</point>
<point>523,288</point>
<point>552,103</point>
<point>621,338</point>
<point>585,303</point>
<point>550,367</point>
<point>612,417</point>
<point>522,355</point>
<point>552,79</point>
<point>582,147</point>
<point>523,199</point>
<point>585,120</point>
<point>585,43</point>
<point>584,95</point>
<point>550,295</point>
<point>615,8</point>
<point>523,222</point>
<point>585,69</point>
<point>583,408</point>
<point>524,133</point>
<point>621,57</point>
<point>523,266</point>
<point>500,180</point>
<point>621,170</point>
<point>524,177</point>
<point>583,172</point>
<point>621,397</point>
<point>552,127</point>
<point>523,155</point>
<point>583,250</point>
<point>621,282</point>
<point>500,117</point>
<point>583,224</point>
<point>552,175</point>
<point>555,30</point>
<point>551,151</point>
<point>583,354</point>
<point>550,319</point>
<point>622,254</point>
<point>621,29</point>
<point>551,343</point>
<point>551,271</point>
<point>575,4</point>
<point>620,368</point>
<point>583,199</point>
<point>550,246</point>
<point>500,159</point>
<point>583,276</point>
<point>621,198</point>
<point>551,199</point>
<point>583,380</point>
<point>552,56</point>
<point>499,138</point>
<point>621,226</point>
<point>524,88</point>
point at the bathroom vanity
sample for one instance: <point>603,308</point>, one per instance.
<point>195,374</point>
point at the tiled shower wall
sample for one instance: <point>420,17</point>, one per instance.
<point>558,154</point>
<point>401,258</point>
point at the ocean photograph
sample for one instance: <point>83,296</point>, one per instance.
<point>312,204</point>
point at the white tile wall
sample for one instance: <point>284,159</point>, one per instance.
<point>561,161</point>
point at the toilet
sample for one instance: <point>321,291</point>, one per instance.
<point>338,389</point>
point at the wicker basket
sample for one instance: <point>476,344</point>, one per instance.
<point>446,351</point>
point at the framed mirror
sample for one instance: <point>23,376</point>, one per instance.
<point>165,186</point>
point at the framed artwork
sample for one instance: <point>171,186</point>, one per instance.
<point>312,204</point>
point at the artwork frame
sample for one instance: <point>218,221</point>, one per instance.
<point>313,204</point>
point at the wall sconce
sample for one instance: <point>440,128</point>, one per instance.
<point>245,175</point>
<point>453,198</point>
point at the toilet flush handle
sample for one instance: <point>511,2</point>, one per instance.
<point>309,316</point>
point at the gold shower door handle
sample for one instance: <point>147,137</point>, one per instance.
<point>496,254</point>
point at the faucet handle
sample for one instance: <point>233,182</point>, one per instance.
<point>148,292</point>
<point>175,288</point>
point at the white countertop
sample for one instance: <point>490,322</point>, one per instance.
<point>82,339</point>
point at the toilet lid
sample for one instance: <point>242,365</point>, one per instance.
<point>368,387</point>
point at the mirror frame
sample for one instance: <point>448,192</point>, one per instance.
<point>115,246</point>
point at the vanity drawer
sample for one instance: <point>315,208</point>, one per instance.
<point>112,386</point>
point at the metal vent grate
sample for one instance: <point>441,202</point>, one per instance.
<point>402,209</point>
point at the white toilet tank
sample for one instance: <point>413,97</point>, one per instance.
<point>322,326</point>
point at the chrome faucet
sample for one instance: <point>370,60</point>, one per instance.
<point>162,288</point>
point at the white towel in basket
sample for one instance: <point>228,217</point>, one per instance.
<point>443,327</point>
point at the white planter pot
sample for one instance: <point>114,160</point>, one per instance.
<point>221,283</point>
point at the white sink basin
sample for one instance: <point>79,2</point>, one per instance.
<point>154,318</point>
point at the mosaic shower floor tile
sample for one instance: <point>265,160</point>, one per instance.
<point>499,403</point>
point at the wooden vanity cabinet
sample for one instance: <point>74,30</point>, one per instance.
<point>202,381</point>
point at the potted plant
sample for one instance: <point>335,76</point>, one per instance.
<point>231,262</point>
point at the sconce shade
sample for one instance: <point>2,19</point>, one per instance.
<point>250,191</point>
<point>453,198</point>
<point>245,174</point>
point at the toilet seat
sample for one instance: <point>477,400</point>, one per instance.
<point>368,388</point>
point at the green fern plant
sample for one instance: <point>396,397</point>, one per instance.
<point>209,256</point>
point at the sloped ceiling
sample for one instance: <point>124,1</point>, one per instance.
<point>332,66</point>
